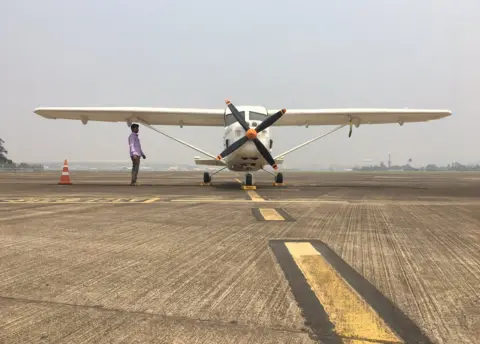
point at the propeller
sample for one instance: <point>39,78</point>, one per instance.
<point>251,134</point>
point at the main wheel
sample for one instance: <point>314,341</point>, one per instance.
<point>279,178</point>
<point>248,179</point>
<point>206,177</point>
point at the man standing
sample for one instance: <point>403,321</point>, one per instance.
<point>135,152</point>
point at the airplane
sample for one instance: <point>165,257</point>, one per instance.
<point>247,138</point>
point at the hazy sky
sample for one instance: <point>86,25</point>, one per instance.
<point>292,54</point>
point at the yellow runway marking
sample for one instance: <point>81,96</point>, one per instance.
<point>352,316</point>
<point>255,196</point>
<point>67,200</point>
<point>271,214</point>
<point>187,200</point>
<point>80,200</point>
<point>238,180</point>
<point>151,200</point>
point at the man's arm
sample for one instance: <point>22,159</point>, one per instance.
<point>141,149</point>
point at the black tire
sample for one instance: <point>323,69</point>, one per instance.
<point>206,177</point>
<point>248,179</point>
<point>279,178</point>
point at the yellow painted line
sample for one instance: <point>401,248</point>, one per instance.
<point>39,200</point>
<point>238,180</point>
<point>271,214</point>
<point>352,316</point>
<point>316,201</point>
<point>187,200</point>
<point>68,200</point>
<point>255,196</point>
<point>203,200</point>
<point>77,200</point>
<point>151,200</point>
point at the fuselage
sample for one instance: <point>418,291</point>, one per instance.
<point>247,157</point>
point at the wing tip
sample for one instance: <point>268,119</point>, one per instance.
<point>444,113</point>
<point>41,112</point>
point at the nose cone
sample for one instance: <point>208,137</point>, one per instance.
<point>251,134</point>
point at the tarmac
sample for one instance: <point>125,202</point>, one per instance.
<point>327,258</point>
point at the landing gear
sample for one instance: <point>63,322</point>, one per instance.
<point>279,178</point>
<point>248,182</point>
<point>248,179</point>
<point>207,179</point>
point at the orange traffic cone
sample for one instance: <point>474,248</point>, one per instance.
<point>65,178</point>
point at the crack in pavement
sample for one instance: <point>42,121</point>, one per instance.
<point>154,315</point>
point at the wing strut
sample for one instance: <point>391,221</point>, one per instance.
<point>175,139</point>
<point>309,141</point>
<point>218,171</point>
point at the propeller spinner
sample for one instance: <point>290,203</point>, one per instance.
<point>251,134</point>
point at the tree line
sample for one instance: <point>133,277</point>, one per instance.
<point>5,162</point>
<point>456,166</point>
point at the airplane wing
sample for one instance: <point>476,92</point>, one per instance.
<point>214,117</point>
<point>153,116</point>
<point>294,117</point>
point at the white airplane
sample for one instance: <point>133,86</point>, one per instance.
<point>247,138</point>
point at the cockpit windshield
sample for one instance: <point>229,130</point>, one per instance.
<point>252,116</point>
<point>255,116</point>
<point>230,119</point>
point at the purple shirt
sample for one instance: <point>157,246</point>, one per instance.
<point>134,143</point>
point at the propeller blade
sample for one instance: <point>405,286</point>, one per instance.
<point>266,154</point>
<point>233,147</point>
<point>237,115</point>
<point>270,120</point>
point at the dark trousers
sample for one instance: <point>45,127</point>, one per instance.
<point>135,167</point>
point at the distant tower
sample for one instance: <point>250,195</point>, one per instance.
<point>389,160</point>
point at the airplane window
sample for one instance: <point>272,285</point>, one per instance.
<point>230,119</point>
<point>255,116</point>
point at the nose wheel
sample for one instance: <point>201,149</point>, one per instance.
<point>248,179</point>
<point>248,182</point>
